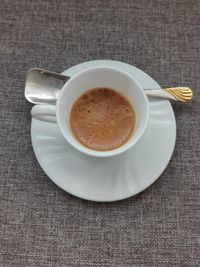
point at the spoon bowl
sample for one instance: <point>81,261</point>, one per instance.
<point>43,87</point>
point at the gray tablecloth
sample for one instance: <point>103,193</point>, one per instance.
<point>41,225</point>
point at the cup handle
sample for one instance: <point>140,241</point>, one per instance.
<point>44,113</point>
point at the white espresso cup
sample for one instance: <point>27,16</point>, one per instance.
<point>107,77</point>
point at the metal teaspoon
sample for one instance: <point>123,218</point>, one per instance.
<point>43,87</point>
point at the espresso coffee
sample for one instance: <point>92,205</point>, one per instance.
<point>102,119</point>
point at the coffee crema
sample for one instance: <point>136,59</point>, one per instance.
<point>102,119</point>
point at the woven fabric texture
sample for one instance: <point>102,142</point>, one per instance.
<point>40,224</point>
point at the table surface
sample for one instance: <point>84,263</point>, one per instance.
<point>40,224</point>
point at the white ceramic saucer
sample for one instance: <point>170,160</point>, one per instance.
<point>114,178</point>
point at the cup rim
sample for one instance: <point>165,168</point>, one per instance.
<point>116,151</point>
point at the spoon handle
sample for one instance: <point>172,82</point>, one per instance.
<point>181,94</point>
